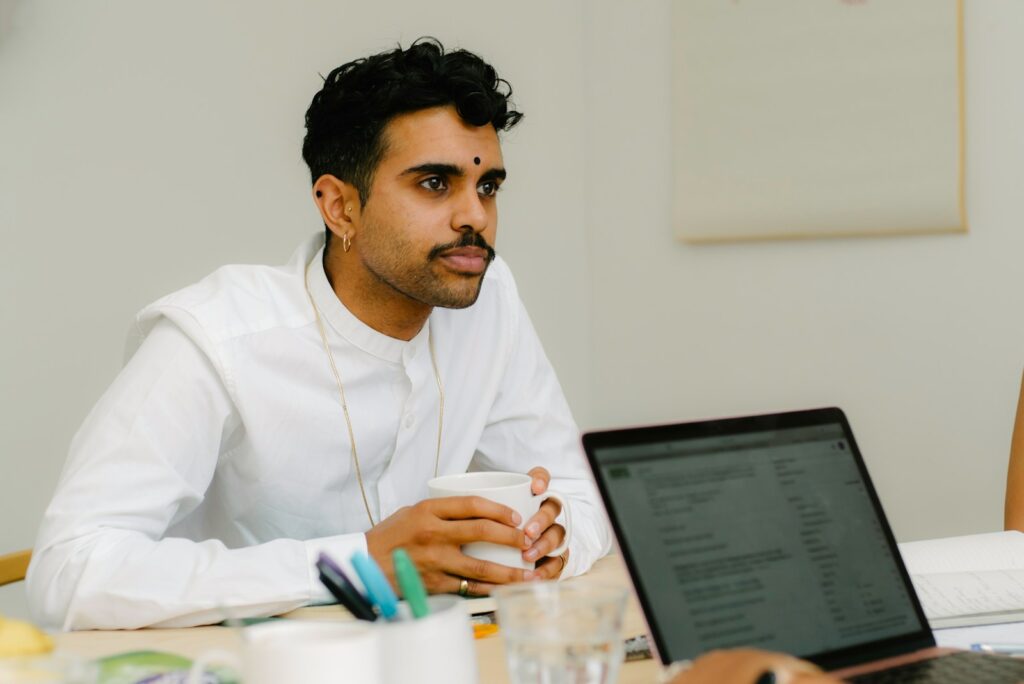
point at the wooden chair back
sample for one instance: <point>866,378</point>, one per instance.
<point>13,566</point>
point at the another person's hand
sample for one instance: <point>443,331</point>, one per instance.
<point>751,666</point>
<point>542,532</point>
<point>433,531</point>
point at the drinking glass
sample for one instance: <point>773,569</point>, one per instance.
<point>559,633</point>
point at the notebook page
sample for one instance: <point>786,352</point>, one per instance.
<point>970,553</point>
<point>953,594</point>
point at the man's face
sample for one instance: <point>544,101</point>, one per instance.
<point>427,229</point>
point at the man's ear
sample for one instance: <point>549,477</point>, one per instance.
<point>338,203</point>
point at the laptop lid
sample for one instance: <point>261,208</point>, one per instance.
<point>761,531</point>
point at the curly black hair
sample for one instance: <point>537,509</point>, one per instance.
<point>346,119</point>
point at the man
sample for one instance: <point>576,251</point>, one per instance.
<point>268,414</point>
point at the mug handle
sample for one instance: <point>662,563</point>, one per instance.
<point>198,669</point>
<point>561,499</point>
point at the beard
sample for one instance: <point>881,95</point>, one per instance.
<point>465,291</point>
<point>425,280</point>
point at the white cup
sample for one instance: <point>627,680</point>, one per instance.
<point>436,649</point>
<point>510,489</point>
<point>307,652</point>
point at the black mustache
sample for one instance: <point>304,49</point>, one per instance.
<point>467,240</point>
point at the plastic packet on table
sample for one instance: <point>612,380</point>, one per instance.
<point>155,667</point>
<point>50,668</point>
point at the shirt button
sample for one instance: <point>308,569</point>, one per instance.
<point>409,420</point>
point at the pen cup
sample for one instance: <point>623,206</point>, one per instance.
<point>436,649</point>
<point>297,651</point>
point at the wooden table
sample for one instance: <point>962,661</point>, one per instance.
<point>191,642</point>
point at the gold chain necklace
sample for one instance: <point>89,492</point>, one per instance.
<point>344,404</point>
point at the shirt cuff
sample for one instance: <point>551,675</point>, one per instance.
<point>340,550</point>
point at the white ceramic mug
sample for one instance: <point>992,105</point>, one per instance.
<point>512,490</point>
<point>307,652</point>
<point>436,649</point>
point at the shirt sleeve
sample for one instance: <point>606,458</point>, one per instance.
<point>530,425</point>
<point>140,463</point>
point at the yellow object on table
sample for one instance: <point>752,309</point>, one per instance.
<point>481,631</point>
<point>19,638</point>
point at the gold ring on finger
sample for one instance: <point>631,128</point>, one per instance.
<point>464,587</point>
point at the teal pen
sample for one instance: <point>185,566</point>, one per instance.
<point>378,589</point>
<point>411,584</point>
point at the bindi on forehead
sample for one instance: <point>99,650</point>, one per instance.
<point>476,160</point>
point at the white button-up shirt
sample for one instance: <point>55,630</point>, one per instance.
<point>217,466</point>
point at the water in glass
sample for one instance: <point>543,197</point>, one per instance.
<point>543,661</point>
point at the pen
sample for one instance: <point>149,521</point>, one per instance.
<point>410,582</point>
<point>341,587</point>
<point>377,587</point>
<point>1002,649</point>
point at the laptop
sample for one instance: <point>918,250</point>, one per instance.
<point>765,531</point>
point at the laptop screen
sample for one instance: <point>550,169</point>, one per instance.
<point>761,532</point>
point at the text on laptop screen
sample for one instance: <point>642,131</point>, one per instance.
<point>765,539</point>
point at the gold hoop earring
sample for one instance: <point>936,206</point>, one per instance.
<point>346,242</point>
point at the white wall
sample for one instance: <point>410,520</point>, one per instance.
<point>920,340</point>
<point>142,144</point>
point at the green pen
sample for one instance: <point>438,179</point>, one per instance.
<point>410,583</point>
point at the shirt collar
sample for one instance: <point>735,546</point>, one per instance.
<point>342,321</point>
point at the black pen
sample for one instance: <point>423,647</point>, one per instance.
<point>338,583</point>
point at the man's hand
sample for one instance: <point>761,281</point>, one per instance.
<point>750,666</point>
<point>432,533</point>
<point>542,533</point>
